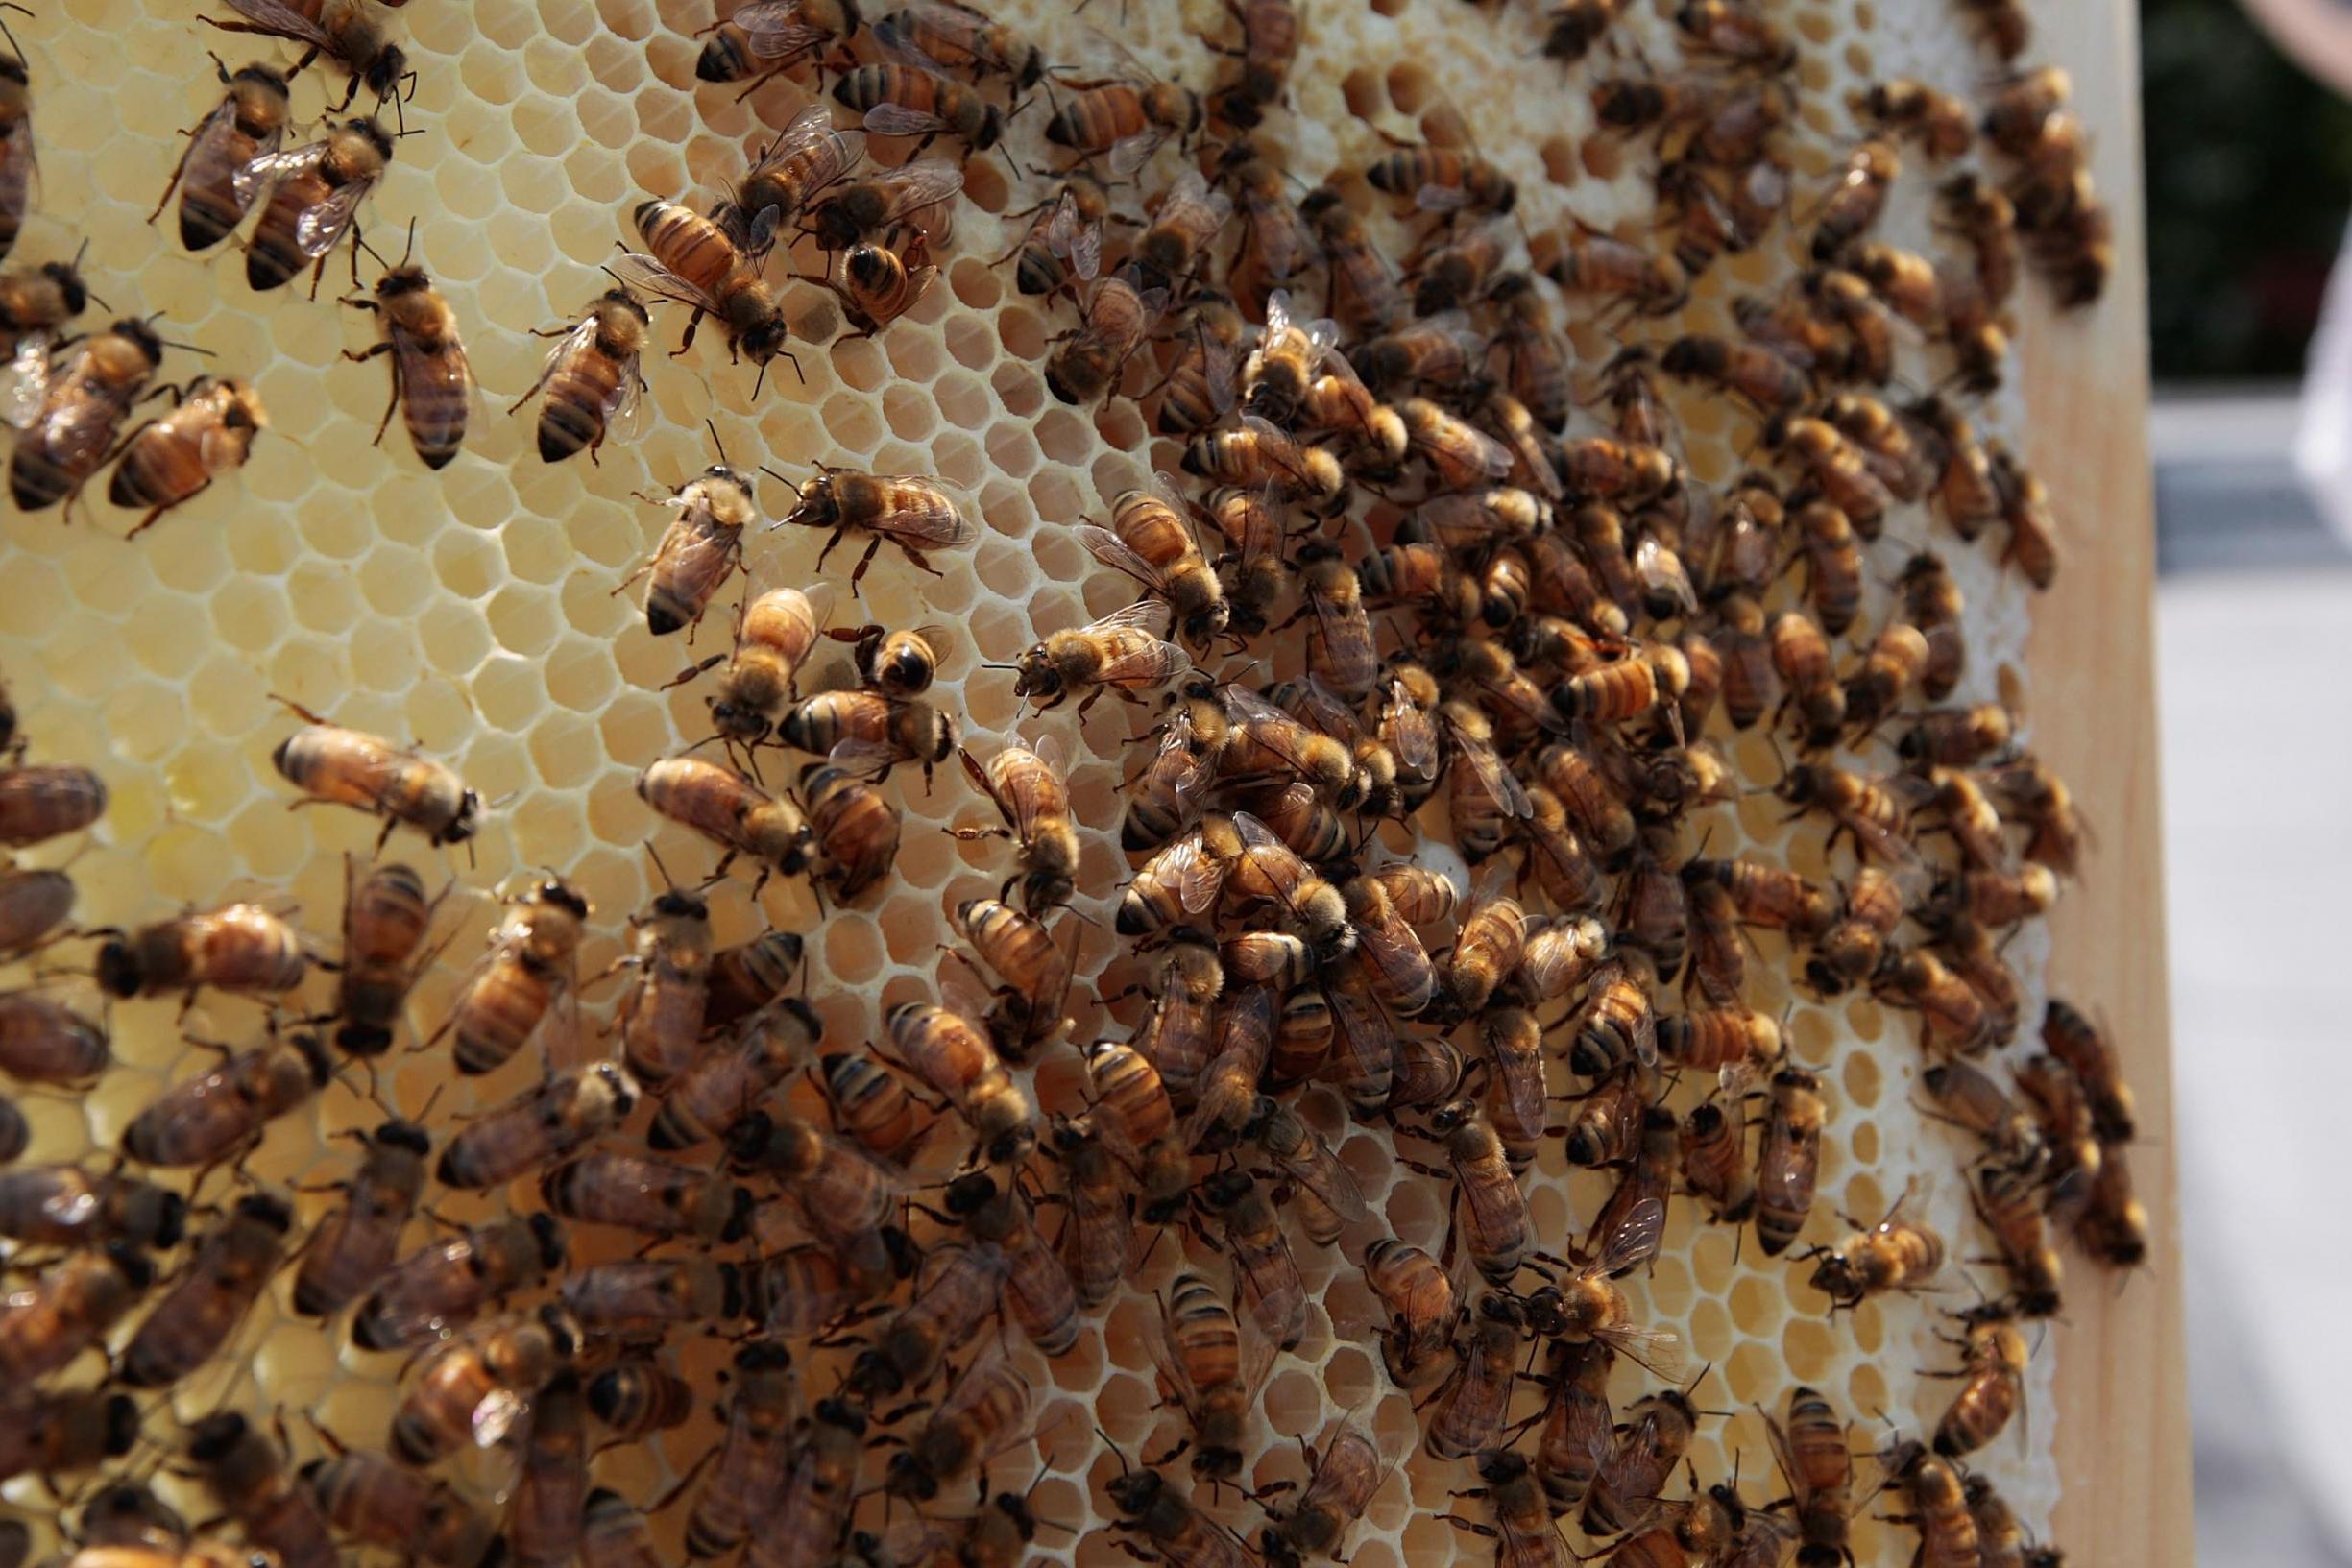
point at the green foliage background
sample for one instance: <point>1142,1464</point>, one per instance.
<point>2249,179</point>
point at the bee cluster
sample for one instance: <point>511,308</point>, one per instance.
<point>1454,1010</point>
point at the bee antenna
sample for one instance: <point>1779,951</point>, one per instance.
<point>712,426</point>
<point>410,249</point>
<point>361,240</point>
<point>14,48</point>
<point>671,883</point>
<point>190,347</point>
<point>782,480</point>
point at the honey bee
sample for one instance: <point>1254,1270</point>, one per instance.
<point>1801,659</point>
<point>2113,1226</point>
<point>1151,539</point>
<point>63,1205</point>
<point>1365,295</point>
<point>1736,33</point>
<point>616,1534</point>
<point>31,903</point>
<point>1180,1534</point>
<point>1589,262</point>
<point>901,99</point>
<point>2008,1202</point>
<point>1119,653</point>
<point>883,279</point>
<point>129,1514</point>
<point>69,1308</point>
<point>247,1477</point>
<point>1034,971</point>
<point>2025,506</point>
<point>386,918</point>
<point>1278,240</point>
<point>195,1319</point>
<point>1271,1291</point>
<point>1815,1461</point>
<point>915,514</point>
<point>1096,1241</point>
<point>1213,1368</point>
<point>1617,1026</point>
<point>171,461</point>
<point>1992,1384</point>
<point>956,1061</point>
<point>316,194</point>
<point>1756,375</point>
<point>1938,1505</point>
<point>1424,1303</point>
<point>2086,1050</point>
<point>447,1284</point>
<point>1939,122</point>
<point>472,1389</point>
<point>1523,1530</point>
<point>1030,791</point>
<point>1129,120</point>
<point>768,36</point>
<point>355,1245</point>
<point>1182,881</point>
<point>1341,1480</point>
<point>1444,180</point>
<point>1188,221</point>
<point>17,161</point>
<point>1283,365</point>
<point>1483,798</point>
<point>349,767</point>
<point>1714,1151</point>
<point>206,1119</point>
<point>1064,240</point>
<point>724,807</point>
<point>856,824</point>
<point>430,369</point>
<point>1136,1120</point>
<point>651,1197</point>
<point>1086,362</point>
<point>1199,387</point>
<point>644,1299</point>
<point>530,969</point>
<point>550,1493</point>
<point>1856,198</point>
<point>590,378</point>
<point>1578,1423</point>
<point>751,1455</point>
<point>562,1114</point>
<point>43,1041</point>
<point>1849,951</point>
<point>68,419</point>
<point>1573,27</point>
<point>1496,1231</point>
<point>1468,1417</point>
<point>369,1497</point>
<point>1892,1255</point>
<point>1787,1159</point>
<point>695,261</point>
<point>1656,1434</point>
<point>811,1507</point>
<point>805,160</point>
<point>62,1434</point>
<point>344,31</point>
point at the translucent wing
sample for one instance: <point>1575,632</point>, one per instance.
<point>812,127</point>
<point>892,38</point>
<point>1113,552</point>
<point>1082,244</point>
<point>209,164</point>
<point>1024,809</point>
<point>1522,1080</point>
<point>868,756</point>
<point>898,120</point>
<point>316,232</point>
<point>1347,642</point>
<point>1661,1350</point>
<point>1134,151</point>
<point>1198,876</point>
<point>775,28</point>
<point>644,273</point>
<point>272,17</point>
<point>1440,198</point>
<point>928,514</point>
<point>924,182</point>
<point>1493,777</point>
<point>24,386</point>
<point>1154,663</point>
<point>251,177</point>
<point>1320,1173</point>
<point>1411,732</point>
<point>1143,616</point>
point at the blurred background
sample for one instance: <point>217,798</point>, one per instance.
<point>2249,184</point>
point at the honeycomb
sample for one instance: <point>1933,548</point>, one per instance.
<point>477,612</point>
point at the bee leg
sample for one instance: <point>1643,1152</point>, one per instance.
<point>688,342</point>
<point>858,572</point>
<point>155,514</point>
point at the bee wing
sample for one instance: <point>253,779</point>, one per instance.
<point>927,181</point>
<point>1493,777</point>
<point>642,271</point>
<point>1113,552</point>
<point>898,120</point>
<point>1661,1350</point>
<point>893,41</point>
<point>873,758</point>
<point>1522,1081</point>
<point>316,232</point>
<point>256,173</point>
<point>1197,875</point>
<point>1322,1173</point>
<point>24,386</point>
<point>812,127</point>
<point>937,516</point>
<point>1133,153</point>
<point>1347,642</point>
<point>1024,814</point>
<point>774,28</point>
<point>1440,198</point>
<point>1785,1458</point>
<point>1411,732</point>
<point>1635,1237</point>
<point>272,17</point>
